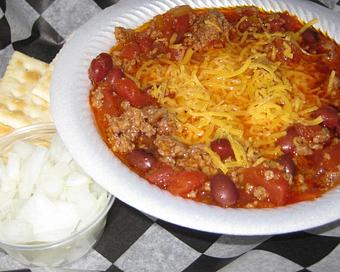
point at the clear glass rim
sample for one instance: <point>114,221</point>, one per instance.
<point>27,132</point>
<point>40,130</point>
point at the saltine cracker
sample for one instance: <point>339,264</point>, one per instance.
<point>24,93</point>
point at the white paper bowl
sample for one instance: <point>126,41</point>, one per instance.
<point>74,122</point>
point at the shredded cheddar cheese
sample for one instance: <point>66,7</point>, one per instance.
<point>237,92</point>
<point>331,82</point>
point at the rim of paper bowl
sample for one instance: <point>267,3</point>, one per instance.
<point>74,121</point>
<point>33,132</point>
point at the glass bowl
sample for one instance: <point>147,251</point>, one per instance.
<point>69,249</point>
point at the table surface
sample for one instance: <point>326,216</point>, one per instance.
<point>133,241</point>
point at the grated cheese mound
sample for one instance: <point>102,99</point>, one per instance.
<point>236,92</point>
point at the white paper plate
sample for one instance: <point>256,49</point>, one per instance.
<point>73,119</point>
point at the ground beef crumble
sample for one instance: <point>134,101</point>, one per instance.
<point>330,178</point>
<point>206,28</point>
<point>124,35</point>
<point>124,130</point>
<point>127,65</point>
<point>97,98</point>
<point>178,154</point>
<point>260,193</point>
<point>306,147</point>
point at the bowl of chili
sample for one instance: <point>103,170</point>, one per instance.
<point>182,153</point>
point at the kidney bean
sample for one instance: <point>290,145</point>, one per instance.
<point>310,36</point>
<point>141,159</point>
<point>99,67</point>
<point>308,132</point>
<point>286,142</point>
<point>113,76</point>
<point>329,115</point>
<point>287,163</point>
<point>223,190</point>
<point>127,89</point>
<point>223,148</point>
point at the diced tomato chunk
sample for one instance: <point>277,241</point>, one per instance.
<point>275,24</point>
<point>328,159</point>
<point>127,89</point>
<point>277,186</point>
<point>287,52</point>
<point>181,25</point>
<point>160,175</point>
<point>167,24</point>
<point>111,102</point>
<point>232,15</point>
<point>130,51</point>
<point>184,182</point>
<point>145,43</point>
<point>110,106</point>
<point>304,196</point>
<point>290,23</point>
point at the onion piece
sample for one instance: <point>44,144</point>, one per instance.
<point>22,149</point>
<point>2,171</point>
<point>13,166</point>
<point>31,170</point>
<point>16,231</point>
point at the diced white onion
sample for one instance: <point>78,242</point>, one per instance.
<point>5,204</point>
<point>13,166</point>
<point>31,170</point>
<point>76,179</point>
<point>16,231</point>
<point>2,171</point>
<point>52,186</point>
<point>44,195</point>
<point>22,149</point>
<point>61,169</point>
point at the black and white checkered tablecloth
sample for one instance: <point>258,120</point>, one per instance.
<point>136,242</point>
